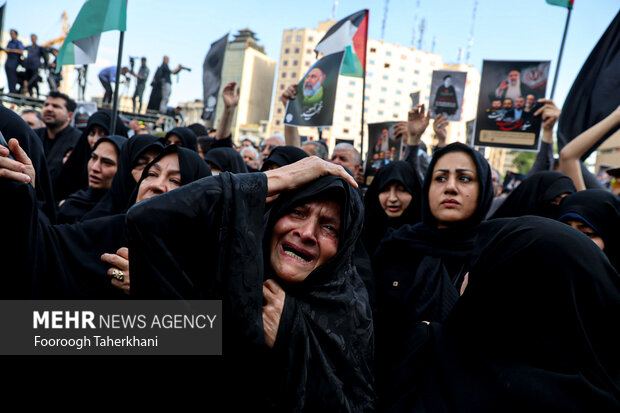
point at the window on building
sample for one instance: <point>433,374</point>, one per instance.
<point>400,80</point>
<point>350,94</point>
<point>352,82</point>
<point>373,50</point>
<point>288,38</point>
<point>398,92</point>
<point>281,87</point>
<point>415,83</point>
<point>369,74</point>
<point>380,112</point>
<point>349,106</point>
<point>347,118</point>
<point>385,77</point>
<point>279,110</point>
<point>365,110</point>
<point>308,51</point>
<point>294,62</point>
<point>388,53</point>
<point>367,85</point>
<point>417,72</point>
<point>402,68</point>
<point>293,74</point>
<point>307,63</point>
<point>403,57</point>
<point>386,65</point>
<point>384,89</point>
<point>366,97</point>
<point>299,38</point>
<point>285,63</point>
<point>286,51</point>
<point>283,74</point>
<point>372,62</point>
<point>395,115</point>
<point>297,50</point>
<point>381,100</point>
<point>345,130</point>
<point>396,103</point>
<point>277,122</point>
<point>310,38</point>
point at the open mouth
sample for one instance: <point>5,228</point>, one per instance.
<point>296,254</point>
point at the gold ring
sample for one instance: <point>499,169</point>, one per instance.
<point>117,274</point>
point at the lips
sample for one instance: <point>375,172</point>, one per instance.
<point>393,208</point>
<point>450,202</point>
<point>296,253</point>
<point>93,179</point>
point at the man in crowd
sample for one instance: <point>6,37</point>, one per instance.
<point>162,81</point>
<point>269,144</point>
<point>32,65</point>
<point>142,75</point>
<point>33,118</point>
<point>14,49</point>
<point>107,76</point>
<point>57,136</point>
<point>316,148</point>
<point>346,155</point>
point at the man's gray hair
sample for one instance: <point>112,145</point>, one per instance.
<point>250,149</point>
<point>318,149</point>
<point>343,146</point>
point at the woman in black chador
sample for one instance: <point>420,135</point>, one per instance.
<point>65,261</point>
<point>299,332</point>
<point>420,269</point>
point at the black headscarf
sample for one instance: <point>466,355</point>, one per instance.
<point>187,136</point>
<point>226,160</point>
<point>600,210</point>
<point>116,200</point>
<point>284,155</point>
<point>534,195</point>
<point>74,173</point>
<point>13,126</point>
<point>376,221</point>
<point>323,348</point>
<point>419,269</point>
<point>80,202</point>
<point>532,331</point>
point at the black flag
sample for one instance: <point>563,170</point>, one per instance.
<point>1,21</point>
<point>212,76</point>
<point>594,94</point>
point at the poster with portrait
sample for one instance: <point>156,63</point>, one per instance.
<point>447,91</point>
<point>469,132</point>
<point>383,147</point>
<point>509,91</point>
<point>415,99</point>
<point>316,94</point>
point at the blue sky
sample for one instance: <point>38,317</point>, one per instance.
<point>184,30</point>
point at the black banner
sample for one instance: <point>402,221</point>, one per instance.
<point>212,76</point>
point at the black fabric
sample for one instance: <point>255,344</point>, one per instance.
<point>74,173</point>
<point>226,160</point>
<point>600,210</point>
<point>321,359</point>
<point>376,221</point>
<point>56,149</point>
<point>542,343</point>
<point>283,155</point>
<point>534,195</point>
<point>419,270</point>
<point>78,204</point>
<point>593,95</point>
<point>187,136</point>
<point>13,126</point>
<point>116,199</point>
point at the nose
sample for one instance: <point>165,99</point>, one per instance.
<point>450,185</point>
<point>158,186</point>
<point>97,166</point>
<point>392,197</point>
<point>306,231</point>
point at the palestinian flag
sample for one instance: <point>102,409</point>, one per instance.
<point>95,17</point>
<point>349,35</point>
<point>562,3</point>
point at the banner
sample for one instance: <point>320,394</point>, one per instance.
<point>509,91</point>
<point>449,89</point>
<point>383,147</point>
<point>212,76</point>
<point>316,94</point>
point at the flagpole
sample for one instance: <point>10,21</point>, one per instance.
<point>118,75</point>
<point>364,90</point>
<point>557,68</point>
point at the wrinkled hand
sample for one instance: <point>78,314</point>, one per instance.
<point>439,127</point>
<point>274,297</point>
<point>418,121</point>
<point>120,261</point>
<point>228,95</point>
<point>20,169</point>
<point>550,113</point>
<point>289,94</point>
<point>302,172</point>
